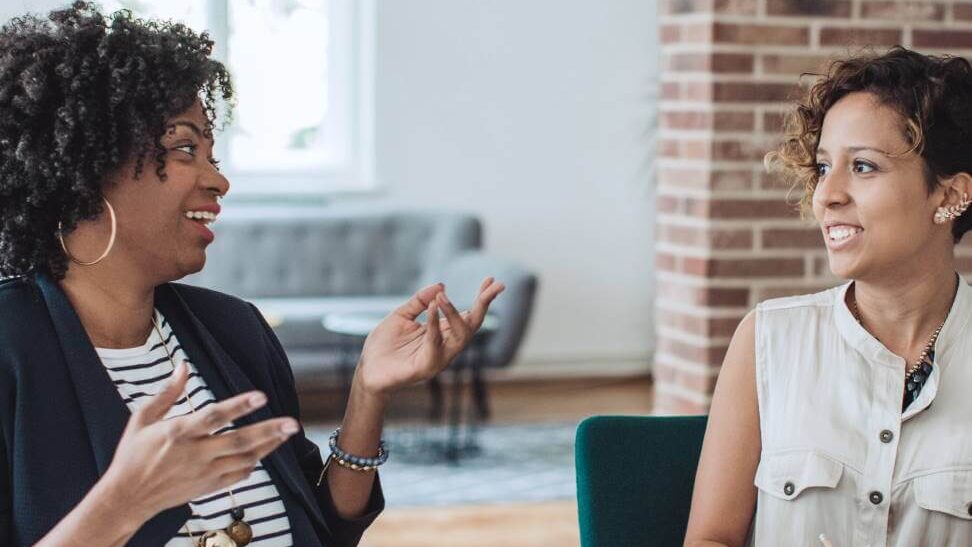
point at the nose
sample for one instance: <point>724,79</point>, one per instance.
<point>215,182</point>
<point>831,190</point>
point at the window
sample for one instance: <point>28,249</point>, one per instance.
<point>302,74</point>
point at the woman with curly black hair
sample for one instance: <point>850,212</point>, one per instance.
<point>134,410</point>
<point>841,418</point>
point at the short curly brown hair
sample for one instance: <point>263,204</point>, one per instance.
<point>933,95</point>
<point>82,93</point>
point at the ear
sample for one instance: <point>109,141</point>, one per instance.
<point>956,186</point>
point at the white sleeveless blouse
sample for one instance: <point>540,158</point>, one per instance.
<point>838,455</point>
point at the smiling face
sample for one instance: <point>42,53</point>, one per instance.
<point>873,207</point>
<point>162,224</point>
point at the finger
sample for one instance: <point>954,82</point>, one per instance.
<point>433,331</point>
<point>247,440</point>
<point>489,291</point>
<point>460,330</point>
<point>419,301</point>
<point>157,406</point>
<point>215,416</point>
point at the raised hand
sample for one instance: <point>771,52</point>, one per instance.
<point>401,351</point>
<point>163,463</point>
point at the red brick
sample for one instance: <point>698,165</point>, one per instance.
<point>671,91</point>
<point>723,63</point>
<point>859,36</point>
<point>962,12</point>
<point>672,177</point>
<point>715,297</point>
<point>733,121</point>
<point>744,208</point>
<point>669,204</point>
<point>697,236</point>
<point>784,238</point>
<point>669,34</point>
<point>731,180</point>
<point>813,8</point>
<point>746,150</point>
<point>942,38</point>
<point>718,327</point>
<point>751,92</point>
<point>697,91</point>
<point>761,35</point>
<point>907,12</point>
<point>773,122</point>
<point>711,356</point>
<point>700,383</point>
<point>743,267</point>
<point>697,33</point>
<point>666,262</point>
<point>794,64</point>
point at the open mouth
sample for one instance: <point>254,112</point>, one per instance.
<point>841,235</point>
<point>202,220</point>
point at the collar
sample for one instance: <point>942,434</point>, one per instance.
<point>872,349</point>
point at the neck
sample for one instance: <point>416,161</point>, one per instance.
<point>114,303</point>
<point>903,314</point>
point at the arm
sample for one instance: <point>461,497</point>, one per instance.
<point>98,520</point>
<point>724,497</point>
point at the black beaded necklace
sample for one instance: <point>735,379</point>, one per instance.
<point>919,372</point>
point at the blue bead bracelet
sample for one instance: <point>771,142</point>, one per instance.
<point>357,463</point>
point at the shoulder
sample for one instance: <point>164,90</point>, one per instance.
<point>210,303</point>
<point>20,302</point>
<point>817,300</point>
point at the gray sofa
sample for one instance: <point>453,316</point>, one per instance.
<point>298,264</point>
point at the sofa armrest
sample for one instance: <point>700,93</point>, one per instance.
<point>462,276</point>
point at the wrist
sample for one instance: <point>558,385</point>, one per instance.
<point>110,497</point>
<point>366,394</point>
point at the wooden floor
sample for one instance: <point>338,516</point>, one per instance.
<point>549,524</point>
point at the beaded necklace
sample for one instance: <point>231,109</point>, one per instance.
<point>919,372</point>
<point>238,532</point>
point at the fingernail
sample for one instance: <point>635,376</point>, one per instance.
<point>257,400</point>
<point>289,427</point>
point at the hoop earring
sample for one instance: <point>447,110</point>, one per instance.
<point>111,239</point>
<point>945,214</point>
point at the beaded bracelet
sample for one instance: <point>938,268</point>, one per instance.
<point>356,463</point>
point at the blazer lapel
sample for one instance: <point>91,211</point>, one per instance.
<point>102,409</point>
<point>226,379</point>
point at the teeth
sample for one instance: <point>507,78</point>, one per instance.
<point>842,233</point>
<point>201,215</point>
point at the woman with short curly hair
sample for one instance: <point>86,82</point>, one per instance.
<point>134,410</point>
<point>842,417</point>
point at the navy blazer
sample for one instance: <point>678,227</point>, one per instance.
<point>61,416</point>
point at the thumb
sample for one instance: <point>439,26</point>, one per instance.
<point>156,407</point>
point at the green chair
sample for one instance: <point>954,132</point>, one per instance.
<point>634,478</point>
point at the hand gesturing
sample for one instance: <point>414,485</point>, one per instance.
<point>401,351</point>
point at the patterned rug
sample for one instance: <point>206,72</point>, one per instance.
<point>507,463</point>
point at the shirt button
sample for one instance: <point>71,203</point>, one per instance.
<point>886,436</point>
<point>789,488</point>
<point>876,498</point>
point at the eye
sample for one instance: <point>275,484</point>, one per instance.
<point>188,148</point>
<point>822,169</point>
<point>215,163</point>
<point>863,167</point>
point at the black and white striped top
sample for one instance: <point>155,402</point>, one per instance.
<point>141,372</point>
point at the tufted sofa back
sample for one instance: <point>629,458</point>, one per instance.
<point>335,251</point>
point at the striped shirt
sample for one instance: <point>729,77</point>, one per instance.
<point>141,372</point>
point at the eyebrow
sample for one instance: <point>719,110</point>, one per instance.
<point>856,149</point>
<point>191,125</point>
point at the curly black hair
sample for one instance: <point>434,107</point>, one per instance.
<point>933,95</point>
<point>81,94</point>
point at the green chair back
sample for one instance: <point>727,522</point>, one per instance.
<point>634,478</point>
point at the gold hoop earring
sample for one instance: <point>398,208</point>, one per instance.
<point>111,239</point>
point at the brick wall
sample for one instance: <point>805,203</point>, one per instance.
<point>726,237</point>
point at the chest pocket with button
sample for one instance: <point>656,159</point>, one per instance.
<point>948,492</point>
<point>786,475</point>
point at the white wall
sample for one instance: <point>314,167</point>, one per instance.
<point>536,115</point>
